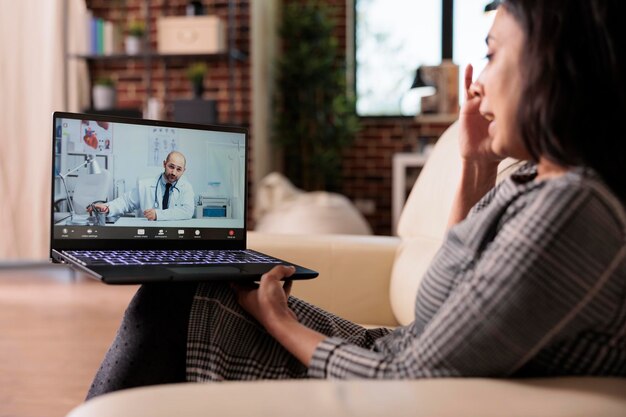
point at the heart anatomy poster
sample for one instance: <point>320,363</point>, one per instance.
<point>96,137</point>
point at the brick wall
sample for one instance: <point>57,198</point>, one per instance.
<point>168,79</point>
<point>131,74</point>
<point>367,164</point>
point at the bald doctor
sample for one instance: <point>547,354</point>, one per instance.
<point>167,197</point>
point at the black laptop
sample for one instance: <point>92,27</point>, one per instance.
<point>139,201</point>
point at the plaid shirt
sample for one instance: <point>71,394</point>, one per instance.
<point>532,283</point>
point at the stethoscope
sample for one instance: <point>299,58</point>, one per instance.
<point>156,188</point>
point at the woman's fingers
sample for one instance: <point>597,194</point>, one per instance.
<point>279,272</point>
<point>475,90</point>
<point>469,73</point>
<point>287,286</point>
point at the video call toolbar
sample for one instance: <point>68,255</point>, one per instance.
<point>102,232</point>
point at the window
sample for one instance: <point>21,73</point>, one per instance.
<point>395,37</point>
<point>471,25</point>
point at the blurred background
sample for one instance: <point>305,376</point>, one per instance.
<point>331,90</point>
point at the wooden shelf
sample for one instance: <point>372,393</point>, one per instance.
<point>437,118</point>
<point>155,55</point>
<point>231,55</point>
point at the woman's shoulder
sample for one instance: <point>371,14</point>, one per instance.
<point>578,196</point>
<point>579,193</point>
<point>586,186</point>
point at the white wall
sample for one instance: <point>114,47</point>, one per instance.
<point>30,89</point>
<point>264,50</point>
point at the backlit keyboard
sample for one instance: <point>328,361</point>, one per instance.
<point>169,257</point>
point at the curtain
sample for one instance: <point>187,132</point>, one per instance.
<point>31,88</point>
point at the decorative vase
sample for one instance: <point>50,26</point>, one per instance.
<point>103,97</point>
<point>132,45</point>
<point>198,89</point>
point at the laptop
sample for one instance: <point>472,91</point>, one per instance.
<point>110,214</point>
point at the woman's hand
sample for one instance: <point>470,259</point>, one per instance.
<point>268,302</point>
<point>474,140</point>
<point>480,163</point>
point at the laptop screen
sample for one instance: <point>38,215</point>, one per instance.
<point>121,179</point>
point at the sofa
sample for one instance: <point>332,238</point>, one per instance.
<point>372,280</point>
<point>281,208</point>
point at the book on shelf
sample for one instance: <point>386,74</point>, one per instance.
<point>104,37</point>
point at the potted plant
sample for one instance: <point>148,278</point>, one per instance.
<point>315,117</point>
<point>103,93</point>
<point>195,73</point>
<point>134,38</point>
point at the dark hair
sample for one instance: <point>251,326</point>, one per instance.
<point>573,104</point>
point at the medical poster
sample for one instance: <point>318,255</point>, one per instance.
<point>94,138</point>
<point>161,141</point>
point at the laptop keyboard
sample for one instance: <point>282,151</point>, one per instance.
<point>169,257</point>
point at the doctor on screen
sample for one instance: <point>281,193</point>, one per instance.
<point>166,197</point>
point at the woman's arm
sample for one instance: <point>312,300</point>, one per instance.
<point>480,164</point>
<point>536,283</point>
<point>536,288</point>
<point>476,180</point>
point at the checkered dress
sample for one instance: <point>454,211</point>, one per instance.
<point>532,283</point>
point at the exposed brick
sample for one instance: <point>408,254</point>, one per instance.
<point>367,167</point>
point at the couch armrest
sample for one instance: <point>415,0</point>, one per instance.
<point>448,397</point>
<point>354,271</point>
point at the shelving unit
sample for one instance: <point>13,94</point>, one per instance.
<point>407,166</point>
<point>402,182</point>
<point>232,55</point>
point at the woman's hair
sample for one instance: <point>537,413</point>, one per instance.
<point>573,104</point>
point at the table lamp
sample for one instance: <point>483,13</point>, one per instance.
<point>419,81</point>
<point>410,102</point>
<point>444,79</point>
<point>492,6</point>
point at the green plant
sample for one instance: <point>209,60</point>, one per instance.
<point>196,72</point>
<point>315,116</point>
<point>104,81</point>
<point>136,28</point>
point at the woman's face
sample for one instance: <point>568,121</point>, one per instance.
<point>499,85</point>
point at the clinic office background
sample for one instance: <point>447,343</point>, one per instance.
<point>215,160</point>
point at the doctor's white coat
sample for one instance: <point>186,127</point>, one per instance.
<point>149,194</point>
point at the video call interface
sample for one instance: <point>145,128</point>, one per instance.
<point>131,181</point>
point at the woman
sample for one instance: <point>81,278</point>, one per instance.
<point>531,278</point>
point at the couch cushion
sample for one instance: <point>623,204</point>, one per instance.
<point>413,257</point>
<point>282,208</point>
<point>423,223</point>
<point>435,397</point>
<point>426,210</point>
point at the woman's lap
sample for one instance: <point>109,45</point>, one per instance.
<point>189,332</point>
<point>226,343</point>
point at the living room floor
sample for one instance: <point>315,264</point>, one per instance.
<point>54,330</point>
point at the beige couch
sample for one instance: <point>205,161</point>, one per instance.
<point>371,280</point>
